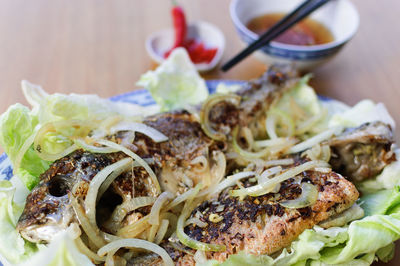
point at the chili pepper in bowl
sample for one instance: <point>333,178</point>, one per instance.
<point>196,49</point>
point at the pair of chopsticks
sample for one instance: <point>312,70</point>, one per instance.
<point>301,12</point>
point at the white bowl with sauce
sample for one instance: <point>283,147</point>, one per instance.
<point>160,42</point>
<point>340,17</point>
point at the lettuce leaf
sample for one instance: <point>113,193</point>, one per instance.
<point>62,251</point>
<point>363,112</point>
<point>12,246</point>
<point>175,83</point>
<point>17,125</point>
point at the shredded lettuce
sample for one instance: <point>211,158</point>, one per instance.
<point>19,124</point>
<point>12,246</point>
<point>175,83</point>
<point>62,251</point>
<point>363,112</point>
<point>304,96</point>
<point>16,126</point>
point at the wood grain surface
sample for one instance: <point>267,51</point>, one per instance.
<point>97,46</point>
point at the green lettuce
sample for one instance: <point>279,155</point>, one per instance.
<point>304,96</point>
<point>62,251</point>
<point>175,83</point>
<point>16,126</point>
<point>362,112</point>
<point>12,246</point>
<point>19,124</point>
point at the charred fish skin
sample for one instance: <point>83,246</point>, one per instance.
<point>260,225</point>
<point>48,211</point>
<point>361,153</point>
<point>256,98</point>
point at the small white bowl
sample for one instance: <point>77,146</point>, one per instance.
<point>160,42</point>
<point>340,17</point>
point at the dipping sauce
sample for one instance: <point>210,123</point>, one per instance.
<point>306,32</point>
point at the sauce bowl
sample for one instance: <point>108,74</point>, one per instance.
<point>339,16</point>
<point>160,42</point>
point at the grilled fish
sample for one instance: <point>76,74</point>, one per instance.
<point>362,153</point>
<point>48,208</point>
<point>260,225</point>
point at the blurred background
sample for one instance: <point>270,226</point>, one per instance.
<point>98,46</point>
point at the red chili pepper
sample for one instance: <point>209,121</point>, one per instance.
<point>196,49</point>
<point>180,26</point>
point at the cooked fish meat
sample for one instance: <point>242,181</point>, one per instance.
<point>362,153</point>
<point>48,208</point>
<point>260,225</point>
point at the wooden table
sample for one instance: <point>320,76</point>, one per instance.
<point>97,46</point>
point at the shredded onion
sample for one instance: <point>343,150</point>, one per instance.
<point>54,157</point>
<point>200,257</point>
<point>86,251</point>
<point>202,161</point>
<point>270,142</point>
<point>92,232</point>
<point>270,126</point>
<point>205,113</point>
<point>248,136</point>
<point>219,168</point>
<point>270,184</point>
<point>120,211</point>
<point>137,159</point>
<point>134,229</point>
<point>185,196</point>
<point>136,243</point>
<point>162,231</point>
<point>268,173</point>
<point>270,163</point>
<point>154,216</point>
<point>98,179</point>
<point>308,196</point>
<point>173,220</point>
<point>152,133</point>
<point>309,124</point>
<point>244,153</point>
<point>286,120</point>
<point>315,140</point>
<point>94,149</point>
<point>196,221</point>
<point>229,181</point>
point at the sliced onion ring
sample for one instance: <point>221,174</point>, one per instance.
<point>270,184</point>
<point>308,196</point>
<point>91,148</point>
<point>137,158</point>
<point>205,113</point>
<point>246,154</point>
<point>98,179</point>
<point>136,243</point>
<point>154,216</point>
<point>152,133</point>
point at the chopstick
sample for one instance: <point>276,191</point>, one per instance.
<point>301,12</point>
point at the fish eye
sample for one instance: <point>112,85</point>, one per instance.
<point>58,186</point>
